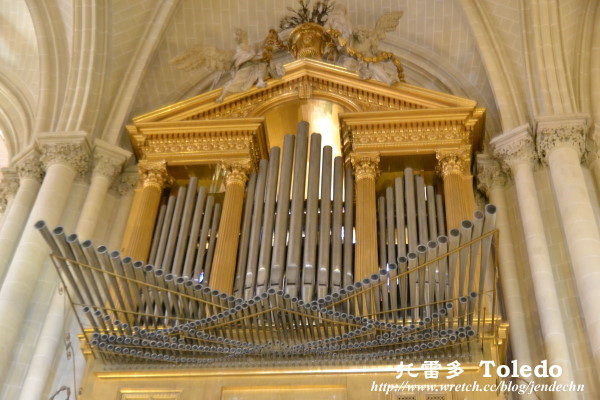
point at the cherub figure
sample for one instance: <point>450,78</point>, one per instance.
<point>359,48</point>
<point>248,65</point>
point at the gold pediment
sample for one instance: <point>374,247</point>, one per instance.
<point>305,79</point>
<point>399,120</point>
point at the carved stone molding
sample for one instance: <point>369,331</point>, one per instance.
<point>109,159</point>
<point>592,145</point>
<point>457,162</point>
<point>29,165</point>
<point>561,131</point>
<point>514,146</point>
<point>153,174</point>
<point>366,165</point>
<point>125,183</point>
<point>236,172</point>
<point>9,184</point>
<point>67,149</point>
<point>489,173</point>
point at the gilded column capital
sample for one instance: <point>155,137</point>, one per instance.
<point>453,162</point>
<point>515,146</point>
<point>153,174</point>
<point>109,159</point>
<point>236,172</point>
<point>29,166</point>
<point>489,173</point>
<point>69,149</point>
<point>366,165</point>
<point>561,131</point>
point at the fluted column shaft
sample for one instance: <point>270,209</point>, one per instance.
<point>492,182</point>
<point>516,148</point>
<point>562,147</point>
<point>454,168</point>
<point>140,224</point>
<point>223,270</point>
<point>30,175</point>
<point>366,169</point>
<point>62,161</point>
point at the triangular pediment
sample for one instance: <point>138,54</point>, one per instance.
<point>305,79</point>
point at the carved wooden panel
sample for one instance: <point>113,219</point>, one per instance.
<point>130,394</point>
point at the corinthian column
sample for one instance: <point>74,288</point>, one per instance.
<point>8,188</point>
<point>223,270</point>
<point>63,156</point>
<point>517,150</point>
<point>108,162</point>
<point>366,170</point>
<point>138,234</point>
<point>454,166</point>
<point>491,180</point>
<point>30,174</point>
<point>560,143</point>
<point>124,186</point>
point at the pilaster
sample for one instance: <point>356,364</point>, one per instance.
<point>454,167</point>
<point>223,274</point>
<point>366,170</point>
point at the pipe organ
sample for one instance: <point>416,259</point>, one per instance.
<point>303,257</point>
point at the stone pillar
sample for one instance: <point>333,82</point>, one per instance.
<point>9,185</point>
<point>593,154</point>
<point>140,226</point>
<point>62,156</point>
<point>560,143</point>
<point>30,174</point>
<point>516,148</point>
<point>491,181</point>
<point>454,167</point>
<point>223,270</point>
<point>124,186</point>
<point>366,170</point>
<point>108,162</point>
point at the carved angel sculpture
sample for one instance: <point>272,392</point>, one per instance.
<point>360,52</point>
<point>249,64</point>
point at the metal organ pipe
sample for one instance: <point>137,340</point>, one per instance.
<point>294,248</point>
<point>323,282</point>
<point>283,208</point>
<point>310,225</point>
<point>264,260</point>
<point>336,226</point>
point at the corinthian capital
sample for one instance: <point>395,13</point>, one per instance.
<point>9,183</point>
<point>560,131</point>
<point>453,162</point>
<point>514,146</point>
<point>236,172</point>
<point>72,150</point>
<point>126,182</point>
<point>366,165</point>
<point>109,159</point>
<point>153,174</point>
<point>28,165</point>
<point>489,173</point>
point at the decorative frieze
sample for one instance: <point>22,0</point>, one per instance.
<point>568,131</point>
<point>366,165</point>
<point>514,146</point>
<point>453,162</point>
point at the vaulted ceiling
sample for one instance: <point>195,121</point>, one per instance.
<point>93,65</point>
